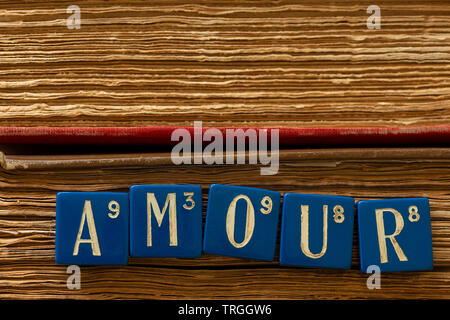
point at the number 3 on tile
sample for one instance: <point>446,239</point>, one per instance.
<point>190,200</point>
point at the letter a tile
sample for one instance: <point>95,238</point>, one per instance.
<point>166,221</point>
<point>395,234</point>
<point>317,231</point>
<point>91,228</point>
<point>241,222</point>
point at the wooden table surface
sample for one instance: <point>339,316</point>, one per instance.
<point>228,63</point>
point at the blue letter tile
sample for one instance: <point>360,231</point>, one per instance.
<point>317,231</point>
<point>91,228</point>
<point>395,234</point>
<point>166,221</point>
<point>241,222</point>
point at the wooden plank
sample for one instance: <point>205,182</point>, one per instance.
<point>27,212</point>
<point>41,280</point>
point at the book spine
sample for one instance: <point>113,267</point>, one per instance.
<point>294,137</point>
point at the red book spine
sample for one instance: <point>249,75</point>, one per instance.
<point>161,135</point>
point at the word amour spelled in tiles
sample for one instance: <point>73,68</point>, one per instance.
<point>91,228</point>
<point>395,234</point>
<point>241,222</point>
<point>166,221</point>
<point>104,228</point>
<point>317,231</point>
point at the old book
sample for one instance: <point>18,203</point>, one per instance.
<point>287,136</point>
<point>234,63</point>
<point>285,64</point>
<point>30,183</point>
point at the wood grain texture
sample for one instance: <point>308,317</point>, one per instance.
<point>27,228</point>
<point>253,63</point>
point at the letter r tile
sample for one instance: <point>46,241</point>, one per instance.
<point>395,234</point>
<point>91,228</point>
<point>166,221</point>
<point>241,222</point>
<point>317,231</point>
